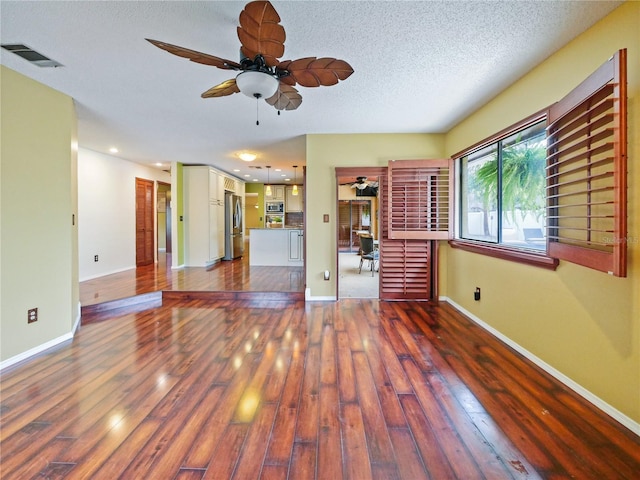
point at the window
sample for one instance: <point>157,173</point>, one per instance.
<point>503,190</point>
<point>538,194</point>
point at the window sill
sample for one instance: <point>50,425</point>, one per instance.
<point>514,255</point>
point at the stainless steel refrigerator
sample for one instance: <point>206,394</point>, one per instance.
<point>234,241</point>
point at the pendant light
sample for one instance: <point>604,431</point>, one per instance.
<point>267,190</point>
<point>295,178</point>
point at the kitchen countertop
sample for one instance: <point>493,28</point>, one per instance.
<point>286,227</point>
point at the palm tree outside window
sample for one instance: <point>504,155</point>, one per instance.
<point>503,190</point>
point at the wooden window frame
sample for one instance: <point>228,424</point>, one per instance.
<point>535,258</point>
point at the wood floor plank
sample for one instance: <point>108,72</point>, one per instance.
<point>254,448</point>
<point>409,463</point>
<point>378,442</point>
<point>304,461</point>
<point>274,472</point>
<point>307,430</point>
<point>448,438</point>
<point>328,357</point>
<point>346,375</point>
<point>357,464</point>
<point>329,436</point>
<point>212,430</point>
<point>426,439</point>
<point>283,435</point>
<point>225,459</point>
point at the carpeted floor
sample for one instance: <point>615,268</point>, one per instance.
<point>352,284</point>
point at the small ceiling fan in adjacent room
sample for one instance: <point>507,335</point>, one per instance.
<point>262,74</point>
<point>363,187</point>
<point>361,183</point>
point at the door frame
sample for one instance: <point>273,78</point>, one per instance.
<point>168,231</point>
<point>351,173</point>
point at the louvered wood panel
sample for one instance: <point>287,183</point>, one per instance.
<point>421,199</point>
<point>405,264</point>
<point>586,171</point>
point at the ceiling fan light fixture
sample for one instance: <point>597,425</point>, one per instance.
<point>257,84</point>
<point>247,157</point>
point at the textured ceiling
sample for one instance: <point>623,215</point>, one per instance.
<point>420,66</point>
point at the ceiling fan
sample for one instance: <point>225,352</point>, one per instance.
<point>361,183</point>
<point>262,74</point>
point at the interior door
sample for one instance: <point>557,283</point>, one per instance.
<point>144,222</point>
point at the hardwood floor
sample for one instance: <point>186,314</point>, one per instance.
<point>277,389</point>
<point>229,276</point>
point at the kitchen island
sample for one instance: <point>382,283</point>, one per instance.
<point>276,247</point>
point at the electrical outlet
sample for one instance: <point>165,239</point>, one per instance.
<point>95,258</point>
<point>32,315</point>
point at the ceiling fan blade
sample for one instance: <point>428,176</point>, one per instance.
<point>197,57</point>
<point>260,32</point>
<point>227,87</point>
<point>314,72</point>
<point>286,98</point>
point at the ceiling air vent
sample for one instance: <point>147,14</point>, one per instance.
<point>31,55</point>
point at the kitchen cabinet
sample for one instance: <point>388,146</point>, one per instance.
<point>276,247</point>
<point>294,203</point>
<point>203,215</point>
<point>277,194</point>
<point>295,245</point>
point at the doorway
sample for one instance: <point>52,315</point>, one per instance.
<point>144,222</point>
<point>358,214</point>
<point>163,212</point>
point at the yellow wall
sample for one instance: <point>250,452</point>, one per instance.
<point>324,153</point>
<point>39,196</point>
<point>255,219</point>
<point>584,323</point>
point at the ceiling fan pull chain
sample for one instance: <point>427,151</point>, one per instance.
<point>257,95</point>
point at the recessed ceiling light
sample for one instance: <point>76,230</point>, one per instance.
<point>283,175</point>
<point>247,175</point>
<point>158,164</point>
<point>236,169</point>
<point>113,150</point>
<point>255,179</point>
<point>278,169</point>
<point>287,179</point>
<point>247,157</point>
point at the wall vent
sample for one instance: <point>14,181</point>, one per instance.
<point>229,184</point>
<point>30,55</point>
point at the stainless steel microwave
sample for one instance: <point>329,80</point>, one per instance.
<point>275,207</point>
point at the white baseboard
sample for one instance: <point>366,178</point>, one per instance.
<point>576,387</point>
<point>76,323</point>
<point>309,298</point>
<point>35,350</point>
<point>102,274</point>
